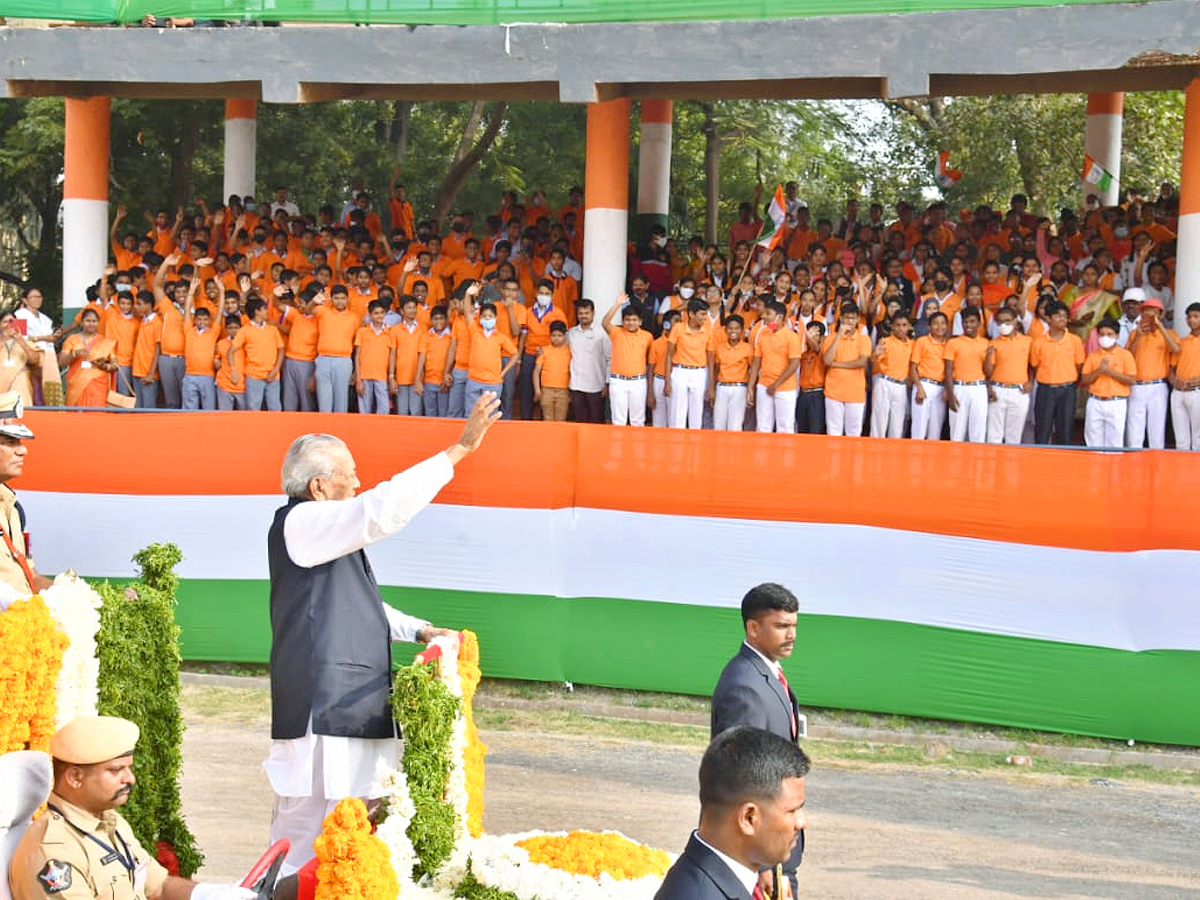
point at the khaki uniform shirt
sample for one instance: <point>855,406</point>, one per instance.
<point>58,858</point>
<point>10,570</point>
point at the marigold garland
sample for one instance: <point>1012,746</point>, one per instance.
<point>476,750</point>
<point>31,654</point>
<point>352,864</point>
<point>593,853</point>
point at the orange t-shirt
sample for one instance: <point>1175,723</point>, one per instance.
<point>630,350</point>
<point>847,385</point>
<point>262,345</point>
<point>1151,354</point>
<point>538,329</point>
<point>336,330</point>
<point>733,361</point>
<point>487,353</point>
<point>658,355</point>
<point>967,354</point>
<point>358,300</point>
<point>374,353</point>
<point>149,334</point>
<point>408,347</point>
<point>223,373</point>
<point>505,316</point>
<point>1119,360</point>
<point>462,269</point>
<point>461,331</point>
<point>776,349</point>
<point>556,365</point>
<point>436,347</point>
<point>1011,358</point>
<point>691,347</point>
<point>172,327</point>
<point>812,371</point>
<point>199,349</point>
<point>122,329</point>
<point>302,335</point>
<point>1057,362</point>
<point>1187,360</point>
<point>893,361</point>
<point>929,356</point>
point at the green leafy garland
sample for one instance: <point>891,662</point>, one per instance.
<point>470,889</point>
<point>138,649</point>
<point>426,711</point>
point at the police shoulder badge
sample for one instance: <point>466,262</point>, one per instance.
<point>55,876</point>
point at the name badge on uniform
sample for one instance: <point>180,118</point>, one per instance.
<point>139,877</point>
<point>86,364</point>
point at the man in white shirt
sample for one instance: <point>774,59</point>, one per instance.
<point>331,718</point>
<point>591,351</point>
<point>282,202</point>
<point>751,816</point>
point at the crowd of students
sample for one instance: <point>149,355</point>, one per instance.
<point>984,327</point>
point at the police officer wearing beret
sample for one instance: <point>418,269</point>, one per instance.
<point>82,849</point>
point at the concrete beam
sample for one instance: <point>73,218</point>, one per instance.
<point>1110,46</point>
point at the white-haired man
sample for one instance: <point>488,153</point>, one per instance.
<point>331,719</point>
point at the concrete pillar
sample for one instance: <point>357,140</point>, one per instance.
<point>606,201</point>
<point>1187,268</point>
<point>85,197</point>
<point>1102,141</point>
<point>654,168</point>
<point>241,134</point>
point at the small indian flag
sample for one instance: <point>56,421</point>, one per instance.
<point>772,232</point>
<point>1094,173</point>
<point>946,176</point>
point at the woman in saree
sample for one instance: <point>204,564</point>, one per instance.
<point>90,359</point>
<point>1089,305</point>
<point>17,357</point>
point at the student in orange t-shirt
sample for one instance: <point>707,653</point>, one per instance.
<point>965,383</point>
<point>687,366</point>
<point>777,352</point>
<point>263,345</point>
<point>552,374</point>
<point>1057,357</point>
<point>200,348</point>
<point>926,370</point>
<point>538,319</point>
<point>1185,379</point>
<point>489,347</point>
<point>658,402</point>
<point>1108,374</point>
<point>121,324</point>
<point>846,353</point>
<point>1009,381</point>
<point>146,350</point>
<point>435,363</point>
<point>729,362</point>
<point>300,330</point>
<point>889,393</point>
<point>337,325</point>
<point>407,336</point>
<point>1152,345</point>
<point>810,401</point>
<point>627,383</point>
<point>374,359</point>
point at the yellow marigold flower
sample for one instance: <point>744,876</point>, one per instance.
<point>592,853</point>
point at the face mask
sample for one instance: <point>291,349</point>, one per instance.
<point>686,292</point>
<point>1121,231</point>
<point>259,237</point>
<point>488,325</point>
<point>773,326</point>
<point>459,228</point>
<point>544,299</point>
<point>124,288</point>
<point>1107,341</point>
<point>941,285</point>
<point>660,241</point>
<point>251,206</point>
<point>667,327</point>
<point>1006,328</point>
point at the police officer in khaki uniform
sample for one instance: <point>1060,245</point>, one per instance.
<point>18,576</point>
<point>82,849</point>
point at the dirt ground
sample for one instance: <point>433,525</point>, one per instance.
<point>875,831</point>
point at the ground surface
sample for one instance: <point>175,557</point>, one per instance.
<point>874,830</point>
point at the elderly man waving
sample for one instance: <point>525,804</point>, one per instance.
<point>331,720</point>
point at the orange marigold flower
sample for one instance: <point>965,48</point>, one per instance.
<point>592,853</point>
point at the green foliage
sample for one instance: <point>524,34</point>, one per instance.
<point>138,649</point>
<point>426,711</point>
<point>470,889</point>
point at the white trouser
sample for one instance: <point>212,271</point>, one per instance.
<point>729,407</point>
<point>627,398</point>
<point>844,418</point>
<point>928,417</point>
<point>969,422</point>
<point>1104,422</point>
<point>660,415</point>
<point>1185,416</point>
<point>889,403</point>
<point>1006,415</point>
<point>1147,415</point>
<point>775,412</point>
<point>687,396</point>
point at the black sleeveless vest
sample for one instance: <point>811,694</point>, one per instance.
<point>331,651</point>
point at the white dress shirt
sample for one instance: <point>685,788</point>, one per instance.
<point>591,351</point>
<point>748,878</point>
<point>321,531</point>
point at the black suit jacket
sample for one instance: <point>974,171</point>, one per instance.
<point>749,693</point>
<point>699,874</point>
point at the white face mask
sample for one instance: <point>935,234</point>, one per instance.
<point>544,299</point>
<point>1005,328</point>
<point>660,241</point>
<point>666,327</point>
<point>686,292</point>
<point>1107,341</point>
<point>488,325</point>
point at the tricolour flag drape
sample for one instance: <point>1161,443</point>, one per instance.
<point>772,232</point>
<point>945,175</point>
<point>1094,173</point>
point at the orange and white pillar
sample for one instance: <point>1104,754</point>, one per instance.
<point>654,167</point>
<point>85,197</point>
<point>241,139</point>
<point>1102,141</point>
<point>1187,253</point>
<point>606,201</point>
